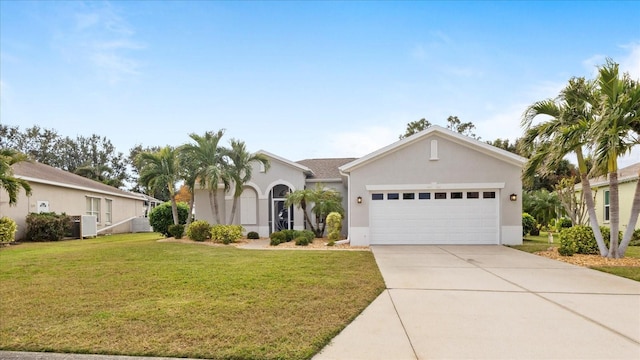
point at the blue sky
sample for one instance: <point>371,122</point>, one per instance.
<point>298,79</point>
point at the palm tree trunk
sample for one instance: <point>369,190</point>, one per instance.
<point>633,219</point>
<point>213,202</point>
<point>614,212</point>
<point>233,209</point>
<point>174,210</point>
<point>591,208</point>
<point>192,201</point>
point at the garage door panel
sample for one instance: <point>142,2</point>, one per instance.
<point>434,221</point>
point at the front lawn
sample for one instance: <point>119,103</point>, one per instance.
<point>539,244</point>
<point>132,295</point>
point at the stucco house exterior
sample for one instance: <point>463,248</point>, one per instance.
<point>627,182</point>
<point>435,187</point>
<point>59,191</point>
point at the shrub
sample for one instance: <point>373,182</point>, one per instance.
<point>535,231</point>
<point>580,239</point>
<point>606,235</point>
<point>177,231</point>
<point>635,239</point>
<point>47,226</point>
<point>528,223</point>
<point>277,238</point>
<point>253,235</point>
<point>567,246</point>
<point>199,230</point>
<point>8,229</point>
<point>302,240</point>
<point>161,217</point>
<point>310,235</point>
<point>289,234</point>
<point>563,223</point>
<point>226,233</point>
<point>334,225</point>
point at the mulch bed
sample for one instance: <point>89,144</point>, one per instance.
<point>588,260</point>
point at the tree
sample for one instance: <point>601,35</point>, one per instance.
<point>324,201</point>
<point>239,169</point>
<point>189,174</point>
<point>542,205</point>
<point>132,159</point>
<point>161,169</point>
<point>208,156</point>
<point>617,104</point>
<point>415,127</point>
<point>8,182</point>
<point>454,124</point>
<point>565,131</point>
<point>574,204</point>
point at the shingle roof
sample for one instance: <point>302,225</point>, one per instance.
<point>325,169</point>
<point>41,173</point>
<point>625,174</point>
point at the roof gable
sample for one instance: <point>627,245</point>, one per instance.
<point>626,174</point>
<point>290,163</point>
<point>44,174</point>
<point>455,137</point>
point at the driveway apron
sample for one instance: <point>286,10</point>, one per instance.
<point>491,302</point>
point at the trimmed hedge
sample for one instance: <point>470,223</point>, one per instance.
<point>161,217</point>
<point>528,223</point>
<point>177,231</point>
<point>304,237</point>
<point>8,229</point>
<point>226,234</point>
<point>334,225</point>
<point>47,226</point>
<point>252,235</point>
<point>199,230</point>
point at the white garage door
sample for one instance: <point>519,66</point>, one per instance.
<point>434,217</point>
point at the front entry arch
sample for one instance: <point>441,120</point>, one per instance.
<point>280,216</point>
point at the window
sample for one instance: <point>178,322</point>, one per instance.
<point>456,195</point>
<point>440,195</point>
<point>606,205</point>
<point>408,196</point>
<point>473,195</point>
<point>424,196</point>
<point>377,196</point>
<point>248,209</point>
<point>108,207</point>
<point>93,207</point>
<point>393,196</point>
<point>489,195</point>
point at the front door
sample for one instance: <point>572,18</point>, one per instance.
<point>281,216</point>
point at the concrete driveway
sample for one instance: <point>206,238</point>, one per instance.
<point>491,302</point>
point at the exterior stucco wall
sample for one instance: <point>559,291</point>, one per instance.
<point>262,183</point>
<point>457,164</point>
<point>71,202</point>
<point>626,191</point>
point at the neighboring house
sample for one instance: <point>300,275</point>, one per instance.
<point>59,191</point>
<point>435,187</point>
<point>627,182</point>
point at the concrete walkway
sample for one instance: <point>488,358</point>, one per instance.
<point>491,302</point>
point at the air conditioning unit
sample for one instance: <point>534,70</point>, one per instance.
<point>88,226</point>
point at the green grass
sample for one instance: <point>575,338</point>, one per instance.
<point>537,243</point>
<point>131,295</point>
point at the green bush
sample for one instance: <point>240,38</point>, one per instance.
<point>635,238</point>
<point>307,234</point>
<point>528,223</point>
<point>226,234</point>
<point>177,231</point>
<point>606,235</point>
<point>563,223</point>
<point>334,225</point>
<point>8,229</point>
<point>253,235</point>
<point>47,226</point>
<point>302,241</point>
<point>277,238</point>
<point>567,247</point>
<point>289,234</point>
<point>199,230</point>
<point>579,239</point>
<point>161,217</point>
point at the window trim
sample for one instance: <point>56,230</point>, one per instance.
<point>108,211</point>
<point>606,206</point>
<point>91,210</point>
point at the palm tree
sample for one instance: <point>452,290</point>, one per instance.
<point>190,176</point>
<point>566,131</point>
<point>616,105</point>
<point>161,169</point>
<point>210,163</point>
<point>8,182</point>
<point>324,201</point>
<point>239,169</point>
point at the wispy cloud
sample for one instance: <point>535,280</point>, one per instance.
<point>631,62</point>
<point>101,36</point>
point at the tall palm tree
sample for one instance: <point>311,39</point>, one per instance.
<point>616,105</point>
<point>239,169</point>
<point>189,174</point>
<point>208,156</point>
<point>300,199</point>
<point>8,182</point>
<point>564,132</point>
<point>324,201</point>
<point>161,169</point>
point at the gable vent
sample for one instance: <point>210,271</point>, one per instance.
<point>434,150</point>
